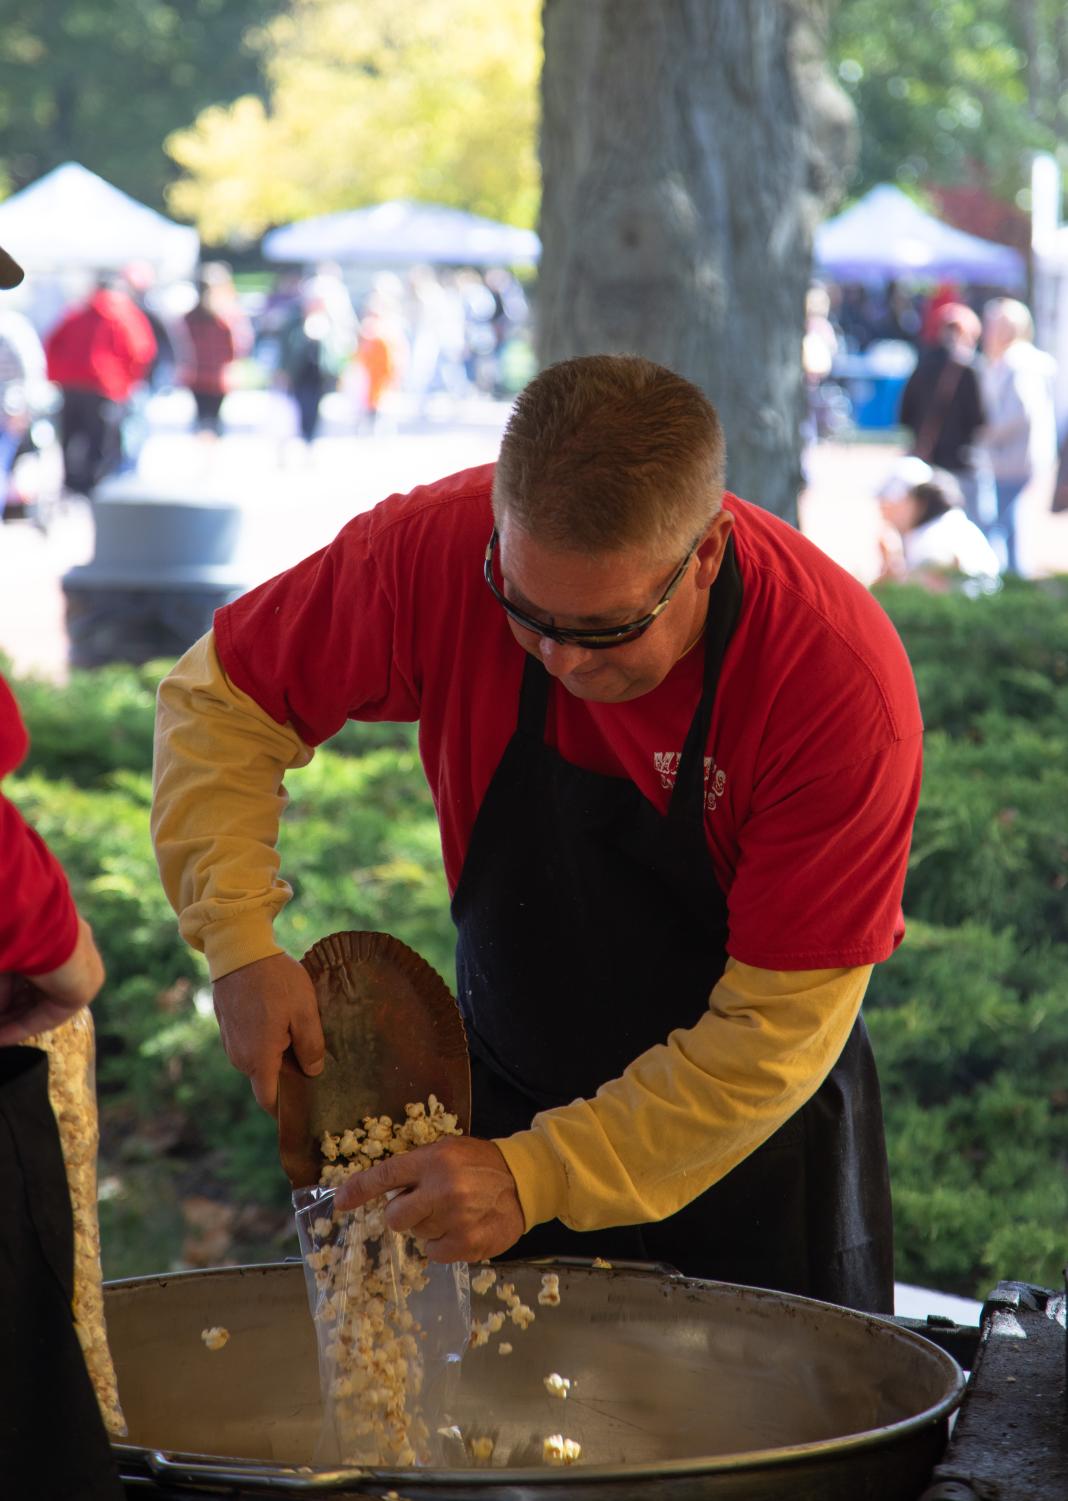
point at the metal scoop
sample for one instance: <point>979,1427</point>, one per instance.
<point>394,1035</point>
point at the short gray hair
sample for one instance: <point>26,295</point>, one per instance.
<point>608,452</point>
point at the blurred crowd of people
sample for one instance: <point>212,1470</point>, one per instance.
<point>462,333</point>
<point>979,405</point>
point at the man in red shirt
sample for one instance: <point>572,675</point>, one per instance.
<point>675,756</point>
<point>97,353</point>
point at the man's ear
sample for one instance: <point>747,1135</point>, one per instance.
<point>711,548</point>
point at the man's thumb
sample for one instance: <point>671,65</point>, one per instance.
<point>309,1045</point>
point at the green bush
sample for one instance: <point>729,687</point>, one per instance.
<point>969,1019</point>
<point>1005,653</point>
<point>971,1033</point>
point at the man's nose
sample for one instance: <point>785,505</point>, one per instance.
<point>560,659</point>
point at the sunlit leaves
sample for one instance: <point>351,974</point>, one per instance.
<point>371,100</point>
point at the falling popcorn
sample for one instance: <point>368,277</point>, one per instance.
<point>215,1337</point>
<point>549,1297</point>
<point>521,1316</point>
<point>481,1449</point>
<point>504,1348</point>
<point>557,1450</point>
<point>481,1282</point>
<point>365,1275</point>
<point>557,1385</point>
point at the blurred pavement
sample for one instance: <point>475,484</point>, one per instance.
<point>294,500</point>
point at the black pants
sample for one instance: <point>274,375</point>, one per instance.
<point>209,408</point>
<point>53,1446</point>
<point>308,395</point>
<point>91,434</point>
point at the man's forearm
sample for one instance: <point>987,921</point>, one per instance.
<point>688,1111</point>
<point>218,769</point>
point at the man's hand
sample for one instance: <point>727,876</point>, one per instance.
<point>263,1009</point>
<point>58,995</point>
<point>457,1195</point>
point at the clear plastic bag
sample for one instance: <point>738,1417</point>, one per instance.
<point>71,1049</point>
<point>391,1329</point>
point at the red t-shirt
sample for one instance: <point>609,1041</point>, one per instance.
<point>38,920</point>
<point>104,346</point>
<point>813,754</point>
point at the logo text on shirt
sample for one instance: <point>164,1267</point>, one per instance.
<point>667,768</point>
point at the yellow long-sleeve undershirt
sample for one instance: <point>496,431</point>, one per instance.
<point>678,1119</point>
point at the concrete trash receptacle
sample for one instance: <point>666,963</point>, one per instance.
<point>162,566</point>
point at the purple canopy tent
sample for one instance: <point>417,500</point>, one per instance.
<point>885,234</point>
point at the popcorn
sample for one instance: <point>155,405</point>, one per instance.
<point>601,1264</point>
<point>215,1337</point>
<point>521,1316</point>
<point>481,1449</point>
<point>482,1329</point>
<point>504,1348</point>
<point>557,1385</point>
<point>72,1095</point>
<point>549,1297</point>
<point>557,1450</point>
<point>481,1282</point>
<point>365,1278</point>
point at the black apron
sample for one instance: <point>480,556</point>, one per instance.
<point>589,926</point>
<point>53,1445</point>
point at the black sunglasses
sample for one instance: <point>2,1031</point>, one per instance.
<point>602,640</point>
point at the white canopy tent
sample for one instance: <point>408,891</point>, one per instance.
<point>72,220</point>
<point>403,232</point>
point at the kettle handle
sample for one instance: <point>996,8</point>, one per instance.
<point>648,1268</point>
<point>270,1478</point>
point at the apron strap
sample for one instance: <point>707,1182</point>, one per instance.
<point>533,699</point>
<point>724,607</point>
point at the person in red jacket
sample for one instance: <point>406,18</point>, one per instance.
<point>97,353</point>
<point>53,1444</point>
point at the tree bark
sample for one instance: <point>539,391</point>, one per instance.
<point>687,148</point>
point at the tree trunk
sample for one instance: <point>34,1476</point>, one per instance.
<point>687,148</point>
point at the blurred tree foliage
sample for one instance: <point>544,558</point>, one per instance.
<point>969,1018</point>
<point>276,109</point>
<point>103,82</point>
<point>947,91</point>
<point>370,100</point>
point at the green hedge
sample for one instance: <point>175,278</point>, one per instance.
<point>969,1018</point>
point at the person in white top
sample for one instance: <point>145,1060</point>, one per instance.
<point>1019,435</point>
<point>928,535</point>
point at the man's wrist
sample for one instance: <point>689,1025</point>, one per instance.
<point>237,942</point>
<point>540,1176</point>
